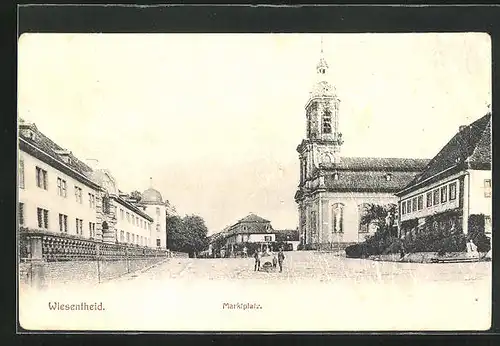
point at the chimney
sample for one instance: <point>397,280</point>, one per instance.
<point>461,128</point>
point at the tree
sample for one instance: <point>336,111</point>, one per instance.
<point>188,234</point>
<point>136,195</point>
<point>376,214</point>
<point>196,231</point>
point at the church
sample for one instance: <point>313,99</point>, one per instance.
<point>334,191</point>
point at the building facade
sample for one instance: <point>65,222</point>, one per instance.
<point>54,193</point>
<point>250,229</point>
<point>58,193</point>
<point>333,190</point>
<point>152,204</point>
<point>457,182</point>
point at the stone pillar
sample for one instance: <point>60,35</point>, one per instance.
<point>320,220</point>
<point>37,263</point>
<point>465,208</point>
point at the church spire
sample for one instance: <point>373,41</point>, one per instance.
<point>322,66</point>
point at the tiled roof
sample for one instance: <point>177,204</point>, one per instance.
<point>253,218</point>
<point>251,228</point>
<point>44,143</point>
<point>482,152</point>
<point>368,181</point>
<point>471,144</point>
<point>378,163</point>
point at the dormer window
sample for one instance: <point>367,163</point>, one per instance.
<point>388,176</point>
<point>335,176</point>
<point>28,133</point>
<point>65,155</point>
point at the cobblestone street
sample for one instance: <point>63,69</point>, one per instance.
<point>315,291</point>
<point>316,267</point>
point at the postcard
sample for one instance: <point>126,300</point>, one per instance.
<point>254,182</point>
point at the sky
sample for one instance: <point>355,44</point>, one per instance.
<point>215,119</point>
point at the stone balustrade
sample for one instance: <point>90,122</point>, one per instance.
<point>65,247</point>
<point>48,257</point>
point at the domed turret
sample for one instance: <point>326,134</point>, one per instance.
<point>151,196</point>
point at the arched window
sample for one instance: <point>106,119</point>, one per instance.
<point>338,218</point>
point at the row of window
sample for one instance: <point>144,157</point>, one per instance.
<point>136,239</point>
<point>443,194</point>
<point>439,195</point>
<point>43,223</point>
<point>135,220</point>
<point>62,186</point>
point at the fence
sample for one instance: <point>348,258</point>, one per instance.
<point>47,258</point>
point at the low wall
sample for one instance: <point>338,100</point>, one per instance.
<point>48,258</point>
<point>88,272</point>
<point>426,257</point>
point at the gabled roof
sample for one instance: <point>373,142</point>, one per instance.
<point>470,146</point>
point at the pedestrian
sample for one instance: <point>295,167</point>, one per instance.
<point>402,250</point>
<point>257,256</point>
<point>245,252</point>
<point>471,249</point>
<point>275,261</point>
<point>281,258</point>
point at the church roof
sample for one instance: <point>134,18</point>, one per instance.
<point>378,163</point>
<point>368,181</point>
<point>470,145</point>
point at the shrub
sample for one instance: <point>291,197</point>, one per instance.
<point>394,247</point>
<point>482,242</point>
<point>356,251</point>
<point>476,232</point>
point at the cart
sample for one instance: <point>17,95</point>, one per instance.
<point>267,262</point>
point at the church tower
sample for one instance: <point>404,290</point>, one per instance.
<point>320,149</point>
<point>323,138</point>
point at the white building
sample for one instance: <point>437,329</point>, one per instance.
<point>54,192</point>
<point>457,181</point>
<point>58,193</point>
